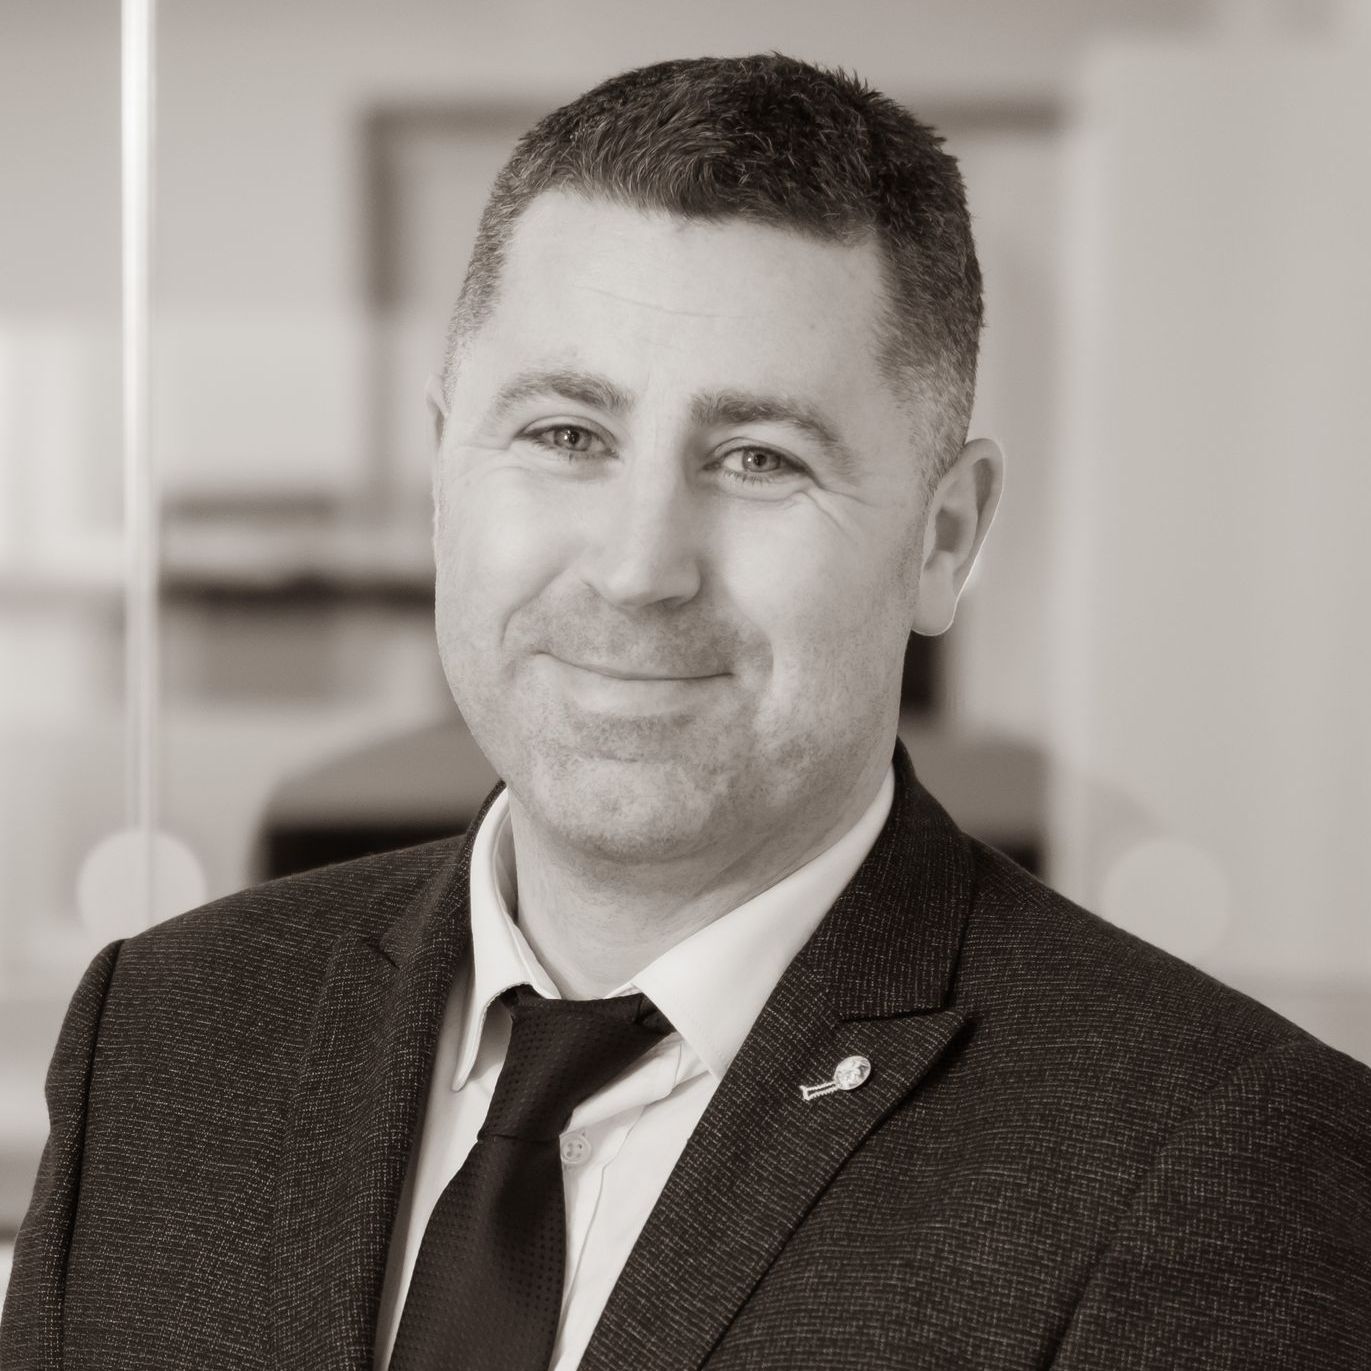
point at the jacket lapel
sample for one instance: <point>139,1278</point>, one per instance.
<point>871,982</point>
<point>356,1109</point>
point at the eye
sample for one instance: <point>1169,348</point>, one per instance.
<point>758,466</point>
<point>572,439</point>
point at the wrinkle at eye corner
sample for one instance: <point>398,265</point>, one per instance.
<point>852,533</point>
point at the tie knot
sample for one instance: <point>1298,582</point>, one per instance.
<point>560,1053</point>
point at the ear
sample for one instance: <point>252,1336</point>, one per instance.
<point>437,408</point>
<point>958,517</point>
<point>436,402</point>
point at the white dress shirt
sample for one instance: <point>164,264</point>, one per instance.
<point>622,1142</point>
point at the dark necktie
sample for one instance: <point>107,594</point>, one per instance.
<point>486,1293</point>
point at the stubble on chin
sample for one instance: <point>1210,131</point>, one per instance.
<point>628,790</point>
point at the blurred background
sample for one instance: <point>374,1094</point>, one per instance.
<point>1156,691</point>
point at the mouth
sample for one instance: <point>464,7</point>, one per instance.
<point>623,673</point>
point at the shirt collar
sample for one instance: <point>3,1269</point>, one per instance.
<point>711,985</point>
<point>500,954</point>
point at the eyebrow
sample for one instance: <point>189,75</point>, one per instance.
<point>580,387</point>
<point>713,409</point>
<point>723,408</point>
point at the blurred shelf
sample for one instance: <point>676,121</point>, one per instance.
<point>245,560</point>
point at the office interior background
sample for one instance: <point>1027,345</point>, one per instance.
<point>1155,694</point>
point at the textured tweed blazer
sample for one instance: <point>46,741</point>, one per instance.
<point>1072,1151</point>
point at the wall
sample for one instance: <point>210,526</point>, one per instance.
<point>1212,648</point>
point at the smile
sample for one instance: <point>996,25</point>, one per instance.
<point>615,673</point>
<point>624,693</point>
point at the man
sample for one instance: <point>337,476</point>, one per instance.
<point>715,1042</point>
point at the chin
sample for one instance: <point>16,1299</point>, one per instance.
<point>630,810</point>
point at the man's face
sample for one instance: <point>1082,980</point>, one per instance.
<point>677,534</point>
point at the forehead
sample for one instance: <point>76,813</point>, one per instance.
<point>647,295</point>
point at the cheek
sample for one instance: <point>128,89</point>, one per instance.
<point>832,608</point>
<point>495,547</point>
<point>800,592</point>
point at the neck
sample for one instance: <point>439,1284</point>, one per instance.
<point>594,924</point>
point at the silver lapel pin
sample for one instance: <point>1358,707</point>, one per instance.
<point>847,1075</point>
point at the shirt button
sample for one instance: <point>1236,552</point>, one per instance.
<point>575,1149</point>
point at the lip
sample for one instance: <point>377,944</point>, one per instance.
<point>624,674</point>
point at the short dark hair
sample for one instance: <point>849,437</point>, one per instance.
<point>772,140</point>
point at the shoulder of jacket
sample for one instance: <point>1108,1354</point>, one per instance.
<point>312,909</point>
<point>1115,1003</point>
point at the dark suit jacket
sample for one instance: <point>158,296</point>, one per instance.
<point>1073,1151</point>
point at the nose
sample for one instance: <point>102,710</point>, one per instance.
<point>643,548</point>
